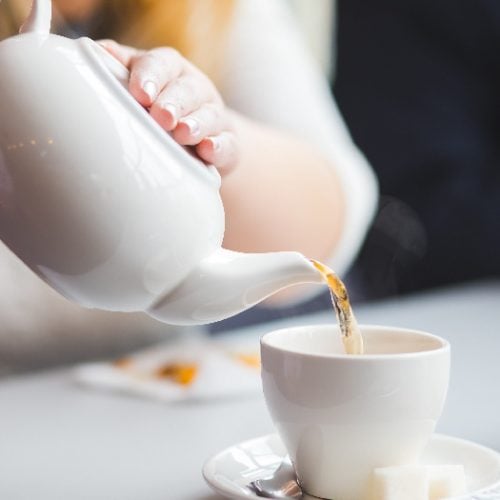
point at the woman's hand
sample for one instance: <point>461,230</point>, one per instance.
<point>182,99</point>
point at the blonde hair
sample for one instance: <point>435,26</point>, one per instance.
<point>196,28</point>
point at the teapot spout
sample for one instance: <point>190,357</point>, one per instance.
<point>227,283</point>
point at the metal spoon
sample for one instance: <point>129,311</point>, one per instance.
<point>282,484</point>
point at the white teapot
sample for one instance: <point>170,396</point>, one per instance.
<point>103,204</point>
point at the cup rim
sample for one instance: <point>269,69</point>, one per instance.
<point>444,344</point>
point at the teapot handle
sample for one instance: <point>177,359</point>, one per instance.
<point>39,18</point>
<point>38,21</point>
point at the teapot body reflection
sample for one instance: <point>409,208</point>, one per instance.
<point>102,204</point>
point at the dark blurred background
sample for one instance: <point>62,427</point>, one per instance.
<point>418,85</point>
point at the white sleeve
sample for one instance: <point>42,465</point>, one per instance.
<point>268,75</point>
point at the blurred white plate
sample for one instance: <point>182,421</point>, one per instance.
<point>230,471</point>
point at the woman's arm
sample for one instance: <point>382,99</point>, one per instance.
<point>283,195</point>
<point>292,179</point>
<point>279,192</point>
<point>307,160</point>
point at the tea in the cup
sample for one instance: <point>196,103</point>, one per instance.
<point>351,336</point>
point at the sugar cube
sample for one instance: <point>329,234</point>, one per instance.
<point>446,481</point>
<point>417,482</point>
<point>408,482</point>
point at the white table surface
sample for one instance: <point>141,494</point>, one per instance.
<point>60,441</point>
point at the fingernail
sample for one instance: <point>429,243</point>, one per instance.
<point>192,125</point>
<point>105,43</point>
<point>215,143</point>
<point>172,110</point>
<point>150,88</point>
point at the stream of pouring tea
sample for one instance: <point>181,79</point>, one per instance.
<point>349,330</point>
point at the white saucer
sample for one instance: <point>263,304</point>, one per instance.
<point>232,469</point>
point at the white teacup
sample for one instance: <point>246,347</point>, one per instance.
<point>339,415</point>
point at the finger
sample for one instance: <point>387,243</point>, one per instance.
<point>179,98</point>
<point>206,121</point>
<point>220,150</point>
<point>151,71</point>
<point>123,53</point>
